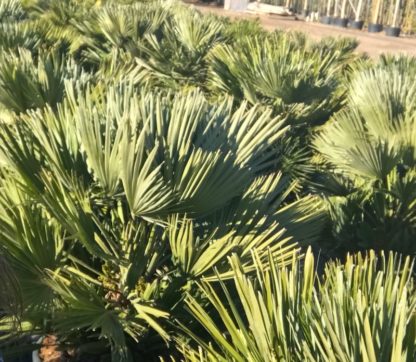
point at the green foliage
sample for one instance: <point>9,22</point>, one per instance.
<point>370,147</point>
<point>362,309</point>
<point>280,71</point>
<point>179,57</point>
<point>124,201</point>
<point>156,161</point>
<point>11,10</point>
<point>19,35</point>
<point>239,29</point>
<point>29,83</point>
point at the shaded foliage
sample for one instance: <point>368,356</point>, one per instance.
<point>154,159</point>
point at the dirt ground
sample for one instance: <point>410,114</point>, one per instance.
<point>372,44</point>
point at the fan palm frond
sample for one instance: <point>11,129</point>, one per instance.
<point>29,83</point>
<point>129,184</point>
<point>372,145</point>
<point>276,72</point>
<point>11,10</point>
<point>23,34</point>
<point>177,57</point>
<point>367,305</point>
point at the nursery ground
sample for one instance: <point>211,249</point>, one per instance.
<point>372,44</point>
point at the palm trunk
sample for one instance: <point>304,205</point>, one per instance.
<point>336,9</point>
<point>343,8</point>
<point>376,11</point>
<point>328,9</point>
<point>396,14</point>
<point>359,9</point>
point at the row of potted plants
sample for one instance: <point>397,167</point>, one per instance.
<point>390,15</point>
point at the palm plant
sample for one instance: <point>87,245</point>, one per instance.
<point>20,28</point>
<point>370,148</point>
<point>122,202</point>
<point>28,82</point>
<point>238,29</point>
<point>116,27</point>
<point>11,10</point>
<point>362,309</point>
<point>401,63</point>
<point>294,76</point>
<point>117,203</point>
<point>278,72</point>
<point>23,34</point>
<point>178,57</point>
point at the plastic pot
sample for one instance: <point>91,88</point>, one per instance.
<point>326,20</point>
<point>392,31</point>
<point>341,22</point>
<point>375,28</point>
<point>358,25</point>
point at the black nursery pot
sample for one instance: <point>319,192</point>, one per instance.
<point>326,20</point>
<point>392,31</point>
<point>342,22</point>
<point>375,28</point>
<point>358,25</point>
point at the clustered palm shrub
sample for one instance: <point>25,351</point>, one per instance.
<point>362,310</point>
<point>369,151</point>
<point>162,173</point>
<point>285,76</point>
<point>139,195</point>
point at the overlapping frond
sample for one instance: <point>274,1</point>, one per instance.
<point>11,10</point>
<point>27,82</point>
<point>356,312</point>
<point>151,154</point>
<point>277,72</point>
<point>125,177</point>
<point>372,144</point>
